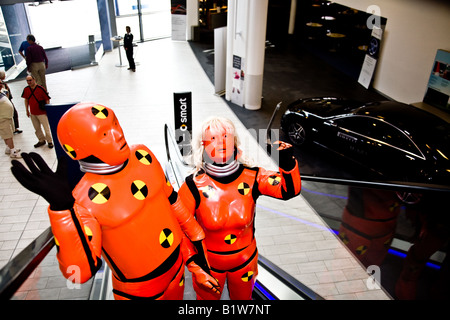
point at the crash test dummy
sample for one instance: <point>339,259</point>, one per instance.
<point>222,193</point>
<point>123,207</point>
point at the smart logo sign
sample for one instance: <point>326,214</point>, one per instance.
<point>183,120</point>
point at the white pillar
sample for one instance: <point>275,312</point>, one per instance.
<point>254,63</point>
<point>231,30</point>
<point>191,17</point>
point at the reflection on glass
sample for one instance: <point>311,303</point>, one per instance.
<point>7,60</point>
<point>405,235</point>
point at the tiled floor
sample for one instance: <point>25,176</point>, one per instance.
<point>289,234</point>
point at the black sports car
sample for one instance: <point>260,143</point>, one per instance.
<point>400,141</point>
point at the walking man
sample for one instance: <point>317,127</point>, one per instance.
<point>37,62</point>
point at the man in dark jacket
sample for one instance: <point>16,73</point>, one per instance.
<point>128,46</point>
<point>37,62</point>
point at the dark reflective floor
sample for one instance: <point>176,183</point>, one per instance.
<point>370,218</point>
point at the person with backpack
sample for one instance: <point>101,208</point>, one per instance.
<point>36,97</point>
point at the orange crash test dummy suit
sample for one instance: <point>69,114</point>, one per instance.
<point>123,208</point>
<point>222,193</point>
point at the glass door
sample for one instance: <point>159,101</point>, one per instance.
<point>148,19</point>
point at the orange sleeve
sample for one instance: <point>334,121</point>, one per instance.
<point>185,216</point>
<point>78,238</point>
<point>282,185</point>
<point>187,249</point>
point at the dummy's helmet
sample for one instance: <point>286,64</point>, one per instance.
<point>89,130</point>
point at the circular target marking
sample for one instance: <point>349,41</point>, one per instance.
<point>99,193</point>
<point>361,250</point>
<point>274,180</point>
<point>99,112</point>
<point>88,232</point>
<point>243,188</point>
<point>70,151</point>
<point>208,191</point>
<point>143,156</point>
<point>139,189</point>
<point>230,239</point>
<point>246,277</point>
<point>166,238</point>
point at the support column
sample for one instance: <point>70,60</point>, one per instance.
<point>231,31</point>
<point>257,22</point>
<point>105,24</point>
<point>292,16</point>
<point>246,37</point>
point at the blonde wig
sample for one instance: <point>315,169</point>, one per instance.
<point>214,123</point>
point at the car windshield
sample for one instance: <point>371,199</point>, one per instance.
<point>380,131</point>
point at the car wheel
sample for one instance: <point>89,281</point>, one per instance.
<point>409,198</point>
<point>297,133</point>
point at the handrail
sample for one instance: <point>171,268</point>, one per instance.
<point>295,285</point>
<point>17,270</point>
<point>397,185</point>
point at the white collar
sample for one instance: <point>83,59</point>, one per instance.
<point>99,168</point>
<point>221,170</point>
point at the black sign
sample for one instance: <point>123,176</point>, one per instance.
<point>237,62</point>
<point>183,120</point>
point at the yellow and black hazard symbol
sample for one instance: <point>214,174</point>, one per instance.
<point>70,151</point>
<point>274,180</point>
<point>208,191</point>
<point>343,237</point>
<point>143,157</point>
<point>246,277</point>
<point>166,238</point>
<point>243,188</point>
<point>181,281</point>
<point>88,232</point>
<point>57,244</point>
<point>230,239</point>
<point>99,112</point>
<point>99,193</point>
<point>139,189</point>
<point>361,250</point>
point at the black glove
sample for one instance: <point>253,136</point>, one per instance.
<point>40,179</point>
<point>285,153</point>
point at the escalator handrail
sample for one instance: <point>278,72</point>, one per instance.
<point>18,269</point>
<point>295,285</point>
<point>399,186</point>
<point>167,133</point>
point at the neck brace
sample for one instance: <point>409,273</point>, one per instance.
<point>221,170</point>
<point>99,168</point>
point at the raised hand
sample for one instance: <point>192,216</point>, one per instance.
<point>40,179</point>
<point>284,151</point>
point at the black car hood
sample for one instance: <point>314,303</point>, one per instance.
<point>324,106</point>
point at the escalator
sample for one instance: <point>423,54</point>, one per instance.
<point>273,283</point>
